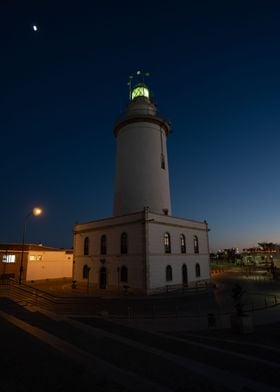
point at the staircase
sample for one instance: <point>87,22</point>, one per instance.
<point>26,295</point>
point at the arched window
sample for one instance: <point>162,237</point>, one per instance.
<point>86,246</point>
<point>86,270</point>
<point>195,244</point>
<point>124,243</point>
<point>124,274</point>
<point>183,243</point>
<point>167,243</point>
<point>168,273</point>
<point>103,244</point>
<point>197,270</point>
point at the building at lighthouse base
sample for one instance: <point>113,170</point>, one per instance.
<point>142,253</point>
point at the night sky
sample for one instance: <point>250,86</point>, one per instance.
<point>215,74</point>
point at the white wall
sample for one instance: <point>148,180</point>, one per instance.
<point>53,265</point>
<point>156,236</point>
<point>134,265</point>
<point>158,266</point>
<point>113,234</point>
<point>140,179</point>
<point>113,260</point>
<point>157,260</point>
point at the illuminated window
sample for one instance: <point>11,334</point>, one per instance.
<point>86,246</point>
<point>124,274</point>
<point>183,243</point>
<point>195,244</point>
<point>167,243</point>
<point>140,91</point>
<point>168,273</point>
<point>197,270</point>
<point>8,258</point>
<point>35,258</point>
<point>124,243</point>
<point>103,245</point>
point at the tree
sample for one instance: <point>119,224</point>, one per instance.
<point>269,246</point>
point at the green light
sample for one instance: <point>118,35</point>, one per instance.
<point>140,91</point>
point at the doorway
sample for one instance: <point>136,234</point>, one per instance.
<point>185,275</point>
<point>103,278</point>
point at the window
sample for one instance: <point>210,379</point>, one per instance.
<point>168,273</point>
<point>86,246</point>
<point>124,274</point>
<point>195,244</point>
<point>86,270</point>
<point>124,243</point>
<point>140,91</point>
<point>103,245</point>
<point>35,258</point>
<point>8,258</point>
<point>183,243</point>
<point>197,270</point>
<point>167,243</point>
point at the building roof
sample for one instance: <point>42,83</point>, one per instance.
<point>31,247</point>
<point>140,216</point>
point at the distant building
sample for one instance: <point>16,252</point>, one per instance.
<point>264,247</point>
<point>142,247</point>
<point>38,262</point>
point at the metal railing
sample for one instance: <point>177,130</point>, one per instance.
<point>28,295</point>
<point>130,308</point>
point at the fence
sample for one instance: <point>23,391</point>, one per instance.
<point>156,307</point>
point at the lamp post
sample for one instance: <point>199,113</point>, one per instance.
<point>35,212</point>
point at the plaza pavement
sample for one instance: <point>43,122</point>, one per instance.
<point>188,310</point>
<point>46,351</point>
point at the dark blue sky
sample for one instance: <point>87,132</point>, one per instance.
<point>215,70</point>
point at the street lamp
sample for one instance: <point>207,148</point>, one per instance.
<point>35,212</point>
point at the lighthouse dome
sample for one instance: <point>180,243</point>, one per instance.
<point>140,90</point>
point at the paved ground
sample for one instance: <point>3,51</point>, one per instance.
<point>42,350</point>
<point>260,292</point>
<point>97,354</point>
<point>30,363</point>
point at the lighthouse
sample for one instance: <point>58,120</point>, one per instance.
<point>142,176</point>
<point>142,248</point>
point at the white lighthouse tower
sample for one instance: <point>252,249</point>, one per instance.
<point>142,248</point>
<point>142,178</point>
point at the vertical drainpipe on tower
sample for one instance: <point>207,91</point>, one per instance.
<point>146,249</point>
